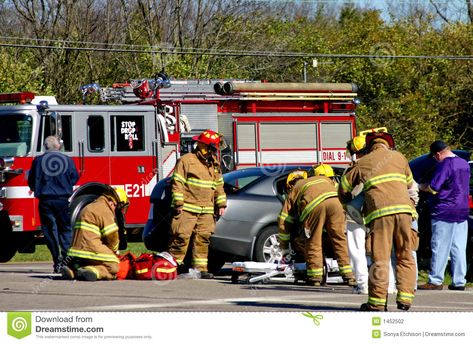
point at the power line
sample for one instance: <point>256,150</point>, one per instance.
<point>235,53</point>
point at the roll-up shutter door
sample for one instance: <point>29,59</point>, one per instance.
<point>201,116</point>
<point>335,135</point>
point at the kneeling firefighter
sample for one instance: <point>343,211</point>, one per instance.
<point>93,253</point>
<point>313,203</point>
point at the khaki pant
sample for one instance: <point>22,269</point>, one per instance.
<point>386,232</point>
<point>185,226</point>
<point>103,270</point>
<point>329,215</point>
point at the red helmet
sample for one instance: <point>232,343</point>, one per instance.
<point>209,138</point>
<point>386,138</point>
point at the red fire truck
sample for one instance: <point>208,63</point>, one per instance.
<point>136,141</point>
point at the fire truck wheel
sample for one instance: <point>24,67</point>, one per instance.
<point>8,242</point>
<point>267,245</point>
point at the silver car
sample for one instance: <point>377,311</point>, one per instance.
<point>247,230</point>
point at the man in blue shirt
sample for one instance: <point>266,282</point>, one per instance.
<point>52,177</point>
<point>449,189</point>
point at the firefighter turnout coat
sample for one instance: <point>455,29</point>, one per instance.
<point>388,213</point>
<point>197,189</point>
<point>313,204</point>
<point>96,240</point>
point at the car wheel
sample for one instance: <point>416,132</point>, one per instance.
<point>216,261</point>
<point>267,246</point>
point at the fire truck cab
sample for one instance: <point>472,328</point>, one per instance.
<point>137,141</point>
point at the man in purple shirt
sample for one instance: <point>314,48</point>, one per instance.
<point>449,210</point>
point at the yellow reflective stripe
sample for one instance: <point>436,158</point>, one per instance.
<point>199,261</point>
<point>110,229</point>
<point>394,209</point>
<point>221,199</point>
<point>198,210</point>
<point>219,182</point>
<point>315,202</point>
<point>376,301</point>
<point>305,187</point>
<point>142,271</point>
<point>92,255</point>
<point>284,237</point>
<point>87,227</point>
<point>286,217</point>
<point>315,272</point>
<point>345,269</point>
<point>165,270</point>
<point>94,270</point>
<point>177,177</point>
<point>206,184</point>
<point>177,196</point>
<point>345,184</point>
<point>409,179</point>
<point>385,178</point>
<point>115,248</point>
<point>404,296</point>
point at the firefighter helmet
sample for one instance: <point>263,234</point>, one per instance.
<point>209,138</point>
<point>357,144</point>
<point>323,170</point>
<point>294,176</point>
<point>380,137</point>
<point>122,197</point>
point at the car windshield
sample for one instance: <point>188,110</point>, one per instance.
<point>238,179</point>
<point>15,135</point>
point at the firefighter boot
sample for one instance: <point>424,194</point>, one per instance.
<point>67,273</point>
<point>206,275</point>
<point>86,275</point>
<point>367,307</point>
<point>313,282</point>
<point>403,306</point>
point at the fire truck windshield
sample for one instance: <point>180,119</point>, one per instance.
<point>15,134</point>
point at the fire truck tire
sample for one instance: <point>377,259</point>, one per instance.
<point>8,242</point>
<point>267,245</point>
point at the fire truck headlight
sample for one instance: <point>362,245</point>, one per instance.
<point>3,192</point>
<point>17,223</point>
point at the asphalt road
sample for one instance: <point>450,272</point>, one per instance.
<point>32,287</point>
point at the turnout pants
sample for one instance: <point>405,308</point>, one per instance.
<point>388,232</point>
<point>187,227</point>
<point>329,215</point>
<point>103,270</point>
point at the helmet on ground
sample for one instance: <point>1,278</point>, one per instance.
<point>209,138</point>
<point>294,176</point>
<point>379,137</point>
<point>323,170</point>
<point>357,144</point>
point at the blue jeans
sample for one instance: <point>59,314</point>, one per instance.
<point>56,227</point>
<point>448,239</point>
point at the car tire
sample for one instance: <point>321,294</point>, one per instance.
<point>267,245</point>
<point>216,260</point>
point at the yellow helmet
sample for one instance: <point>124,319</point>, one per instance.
<point>323,170</point>
<point>122,197</point>
<point>358,143</point>
<point>295,176</point>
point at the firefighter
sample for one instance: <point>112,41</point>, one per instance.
<point>388,213</point>
<point>288,230</point>
<point>197,190</point>
<point>356,233</point>
<point>313,203</point>
<point>93,254</point>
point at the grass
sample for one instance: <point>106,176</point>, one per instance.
<point>42,253</point>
